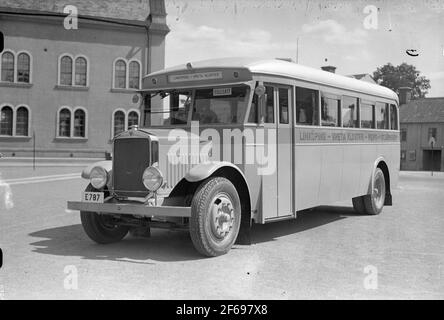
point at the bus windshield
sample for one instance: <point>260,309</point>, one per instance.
<point>223,105</point>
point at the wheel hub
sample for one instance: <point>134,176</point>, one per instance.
<point>222,216</point>
<point>378,191</point>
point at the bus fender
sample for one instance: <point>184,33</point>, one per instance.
<point>105,164</point>
<point>206,169</point>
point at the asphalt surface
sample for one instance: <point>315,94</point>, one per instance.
<point>327,253</point>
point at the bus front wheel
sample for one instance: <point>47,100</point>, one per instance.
<point>374,202</point>
<point>215,217</point>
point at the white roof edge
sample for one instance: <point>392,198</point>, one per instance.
<point>291,70</point>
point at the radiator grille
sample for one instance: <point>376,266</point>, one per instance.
<point>131,157</point>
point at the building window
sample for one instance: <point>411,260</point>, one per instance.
<point>65,123</point>
<point>126,74</point>
<point>133,119</point>
<point>16,67</point>
<point>79,123</point>
<point>403,155</point>
<point>120,74</point>
<point>72,123</point>
<point>22,122</point>
<point>330,112</point>
<point>412,155</point>
<point>307,104</point>
<point>23,67</point>
<point>350,112</point>
<point>134,75</point>
<point>432,132</point>
<point>6,119</point>
<point>118,122</point>
<point>381,115</point>
<point>8,67</point>
<point>66,71</point>
<point>80,71</point>
<point>73,71</point>
<point>403,134</point>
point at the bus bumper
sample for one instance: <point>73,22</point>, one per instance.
<point>131,209</point>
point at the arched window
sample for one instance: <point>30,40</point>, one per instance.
<point>23,67</point>
<point>79,123</point>
<point>134,75</point>
<point>66,71</point>
<point>120,74</point>
<point>65,123</point>
<point>133,119</point>
<point>119,122</point>
<point>22,122</point>
<point>81,71</point>
<point>6,121</point>
<point>8,67</point>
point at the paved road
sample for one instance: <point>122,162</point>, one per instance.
<point>325,253</point>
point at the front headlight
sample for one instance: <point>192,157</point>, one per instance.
<point>98,177</point>
<point>152,178</point>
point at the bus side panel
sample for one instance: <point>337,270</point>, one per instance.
<point>369,154</point>
<point>331,174</point>
<point>307,175</point>
<point>351,171</point>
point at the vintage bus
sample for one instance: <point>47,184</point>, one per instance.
<point>227,143</point>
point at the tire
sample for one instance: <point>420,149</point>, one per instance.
<point>374,202</point>
<point>358,205</point>
<point>215,217</point>
<point>100,227</point>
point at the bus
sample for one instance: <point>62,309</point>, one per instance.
<point>223,144</point>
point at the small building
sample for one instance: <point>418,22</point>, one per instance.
<point>68,87</point>
<point>422,132</point>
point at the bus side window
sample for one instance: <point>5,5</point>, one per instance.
<point>350,112</point>
<point>367,115</point>
<point>269,107</point>
<point>307,102</point>
<point>381,114</point>
<point>393,117</point>
<point>330,112</point>
<point>252,118</point>
<point>283,106</point>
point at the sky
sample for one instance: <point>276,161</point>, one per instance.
<point>313,32</point>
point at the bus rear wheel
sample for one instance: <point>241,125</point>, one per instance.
<point>215,217</point>
<point>374,202</point>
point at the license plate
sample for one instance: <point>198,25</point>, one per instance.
<point>95,197</point>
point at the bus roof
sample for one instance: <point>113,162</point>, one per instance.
<point>283,68</point>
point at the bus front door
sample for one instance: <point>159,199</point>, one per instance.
<point>277,184</point>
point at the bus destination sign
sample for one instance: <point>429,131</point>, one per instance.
<point>201,76</point>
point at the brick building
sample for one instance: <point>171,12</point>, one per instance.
<point>73,88</point>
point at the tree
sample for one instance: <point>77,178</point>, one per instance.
<point>404,75</point>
